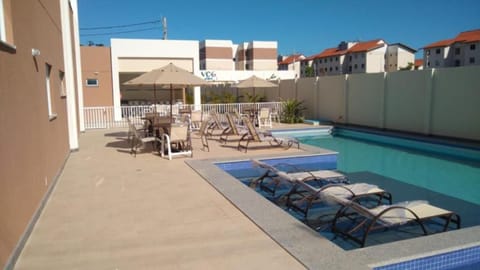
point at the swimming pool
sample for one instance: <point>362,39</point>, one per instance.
<point>423,166</point>
<point>408,173</point>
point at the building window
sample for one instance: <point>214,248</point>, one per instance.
<point>472,47</point>
<point>48,71</point>
<point>428,63</point>
<point>356,56</point>
<point>63,90</point>
<point>336,59</point>
<point>320,61</point>
<point>355,66</point>
<point>331,59</point>
<point>349,68</point>
<point>437,51</point>
<point>331,69</point>
<point>350,58</point>
<point>457,51</point>
<point>363,66</point>
<point>336,68</point>
<point>3,33</point>
<point>92,82</point>
<point>471,60</point>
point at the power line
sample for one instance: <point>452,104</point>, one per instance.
<point>120,32</point>
<point>120,26</point>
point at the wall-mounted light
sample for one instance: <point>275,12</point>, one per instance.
<point>35,52</point>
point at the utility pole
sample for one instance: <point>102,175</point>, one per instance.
<point>164,26</point>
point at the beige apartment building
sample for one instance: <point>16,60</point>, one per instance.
<point>359,57</point>
<point>463,50</point>
<point>217,55</point>
<point>399,56</point>
<point>256,55</point>
<point>292,62</point>
<point>40,89</point>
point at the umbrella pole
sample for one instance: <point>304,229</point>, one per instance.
<point>154,98</point>
<point>171,105</point>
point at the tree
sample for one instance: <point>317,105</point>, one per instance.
<point>410,66</point>
<point>309,72</point>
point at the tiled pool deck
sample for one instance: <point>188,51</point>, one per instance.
<point>112,211</point>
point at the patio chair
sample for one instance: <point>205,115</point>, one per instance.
<point>232,129</point>
<point>273,176</point>
<point>361,221</point>
<point>195,120</point>
<point>131,127</point>
<point>257,136</point>
<point>137,141</point>
<point>264,118</point>
<point>180,138</point>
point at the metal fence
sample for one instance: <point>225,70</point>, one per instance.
<point>104,117</point>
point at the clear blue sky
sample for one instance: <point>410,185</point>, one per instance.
<point>301,26</point>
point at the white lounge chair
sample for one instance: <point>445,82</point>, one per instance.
<point>361,221</point>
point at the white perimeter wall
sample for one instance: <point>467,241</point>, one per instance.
<point>441,102</point>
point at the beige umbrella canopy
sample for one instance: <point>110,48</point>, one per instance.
<point>255,82</point>
<point>168,76</point>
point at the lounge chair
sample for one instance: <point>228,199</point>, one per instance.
<point>215,124</point>
<point>138,141</point>
<point>291,174</point>
<point>358,221</point>
<point>232,129</point>
<point>203,136</point>
<point>180,138</point>
<point>304,196</point>
<point>257,136</point>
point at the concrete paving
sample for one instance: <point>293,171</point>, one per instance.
<point>110,210</point>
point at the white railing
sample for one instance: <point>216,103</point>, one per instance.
<point>104,117</point>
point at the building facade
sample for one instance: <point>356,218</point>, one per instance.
<point>217,55</point>
<point>96,76</point>
<point>256,55</point>
<point>463,50</point>
<point>358,57</point>
<point>399,56</point>
<point>40,89</point>
<point>291,62</point>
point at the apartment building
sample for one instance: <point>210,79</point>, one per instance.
<point>40,87</point>
<point>463,50</point>
<point>291,62</point>
<point>348,58</point>
<point>217,55</point>
<point>399,56</point>
<point>256,55</point>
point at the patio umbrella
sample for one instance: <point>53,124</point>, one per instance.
<point>255,82</point>
<point>168,76</point>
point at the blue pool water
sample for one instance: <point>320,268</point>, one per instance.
<point>446,174</point>
<point>409,170</point>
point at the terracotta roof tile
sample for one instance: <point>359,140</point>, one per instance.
<point>366,46</point>
<point>418,62</point>
<point>441,43</point>
<point>468,36</point>
<point>290,59</point>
